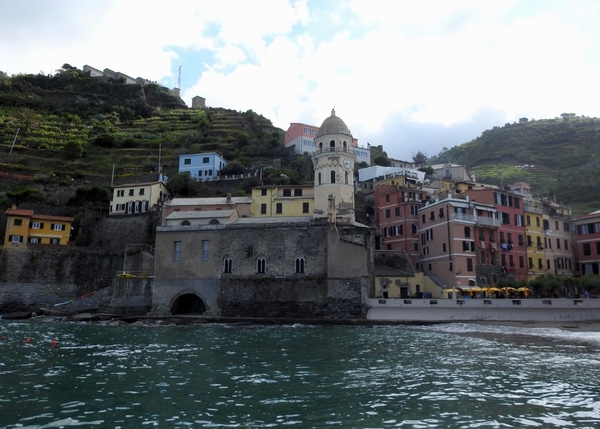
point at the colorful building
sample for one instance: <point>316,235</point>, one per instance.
<point>587,234</point>
<point>24,227</point>
<point>138,197</point>
<point>282,201</point>
<point>202,166</point>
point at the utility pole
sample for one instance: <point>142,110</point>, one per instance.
<point>14,141</point>
<point>179,79</point>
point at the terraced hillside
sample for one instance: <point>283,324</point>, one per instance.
<point>558,157</point>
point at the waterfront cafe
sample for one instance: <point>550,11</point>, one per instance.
<point>485,292</point>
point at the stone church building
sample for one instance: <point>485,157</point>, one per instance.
<point>279,267</point>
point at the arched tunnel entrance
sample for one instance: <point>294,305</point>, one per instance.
<point>188,303</point>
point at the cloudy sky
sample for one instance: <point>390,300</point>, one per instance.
<point>410,75</point>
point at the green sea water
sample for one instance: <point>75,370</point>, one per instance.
<point>444,376</point>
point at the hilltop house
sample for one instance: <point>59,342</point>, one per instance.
<point>138,197</point>
<point>202,166</point>
<point>25,227</point>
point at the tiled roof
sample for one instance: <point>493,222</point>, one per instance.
<point>19,212</point>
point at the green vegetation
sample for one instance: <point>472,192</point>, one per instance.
<point>557,157</point>
<point>76,130</point>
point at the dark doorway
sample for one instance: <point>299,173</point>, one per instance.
<point>188,304</point>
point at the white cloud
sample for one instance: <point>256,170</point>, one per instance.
<point>437,63</point>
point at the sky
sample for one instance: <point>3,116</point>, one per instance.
<point>409,75</point>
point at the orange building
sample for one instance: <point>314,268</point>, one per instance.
<point>25,227</point>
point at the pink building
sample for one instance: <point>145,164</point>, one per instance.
<point>587,234</point>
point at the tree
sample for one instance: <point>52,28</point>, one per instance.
<point>234,167</point>
<point>27,118</point>
<point>382,160</point>
<point>183,185</point>
<point>523,120</point>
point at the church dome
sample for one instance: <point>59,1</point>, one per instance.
<point>333,125</point>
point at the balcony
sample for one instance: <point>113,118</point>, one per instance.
<point>480,221</point>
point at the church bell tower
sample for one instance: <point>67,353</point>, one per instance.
<point>333,162</point>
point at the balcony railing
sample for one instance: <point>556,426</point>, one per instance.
<point>482,221</point>
<point>327,150</point>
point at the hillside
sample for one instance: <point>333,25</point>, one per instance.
<point>558,157</point>
<point>73,128</point>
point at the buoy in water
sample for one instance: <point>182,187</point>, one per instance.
<point>54,343</point>
<point>28,340</point>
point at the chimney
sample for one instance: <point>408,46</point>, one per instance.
<point>228,201</point>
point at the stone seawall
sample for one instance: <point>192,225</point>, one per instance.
<point>46,276</point>
<point>310,298</point>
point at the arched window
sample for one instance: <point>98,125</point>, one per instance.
<point>320,145</point>
<point>215,222</point>
<point>332,146</point>
<point>346,173</point>
<point>345,145</point>
<point>300,265</point>
<point>261,265</point>
<point>319,178</point>
<point>130,207</point>
<point>332,175</point>
<point>144,206</point>
<point>227,265</point>
<point>185,223</point>
<point>471,282</point>
<point>137,206</point>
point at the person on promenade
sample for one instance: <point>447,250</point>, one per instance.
<point>586,294</point>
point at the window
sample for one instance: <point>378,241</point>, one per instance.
<point>521,262</point>
<point>441,214</point>
<point>469,264</point>
<point>297,192</point>
<point>177,251</point>
<point>263,209</point>
<point>518,220</point>
<point>319,179</point>
<point>187,161</point>
<point>537,222</point>
<point>397,211</point>
<point>263,192</point>
<point>443,247</point>
<point>54,241</point>
<point>387,213</point>
<point>227,265</point>
<point>34,240</point>
<point>587,251</point>
<point>528,220</point>
<point>261,265</point>
<point>57,226</point>
<point>141,191</point>
<point>206,160</point>
<point>467,232</point>
<point>531,263</point>
<point>299,265</point>
<point>37,225</point>
<point>279,208</point>
<point>387,198</point>
<point>131,192</point>
<point>521,241</point>
<point>287,192</point>
<point>205,250</point>
<point>121,193</point>
<point>332,176</point>
<point>16,238</point>
<point>305,208</point>
<point>18,222</point>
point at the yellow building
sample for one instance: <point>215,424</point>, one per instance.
<point>537,263</point>
<point>24,227</point>
<point>138,197</point>
<point>282,201</point>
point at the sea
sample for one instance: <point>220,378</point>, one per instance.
<point>58,374</point>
